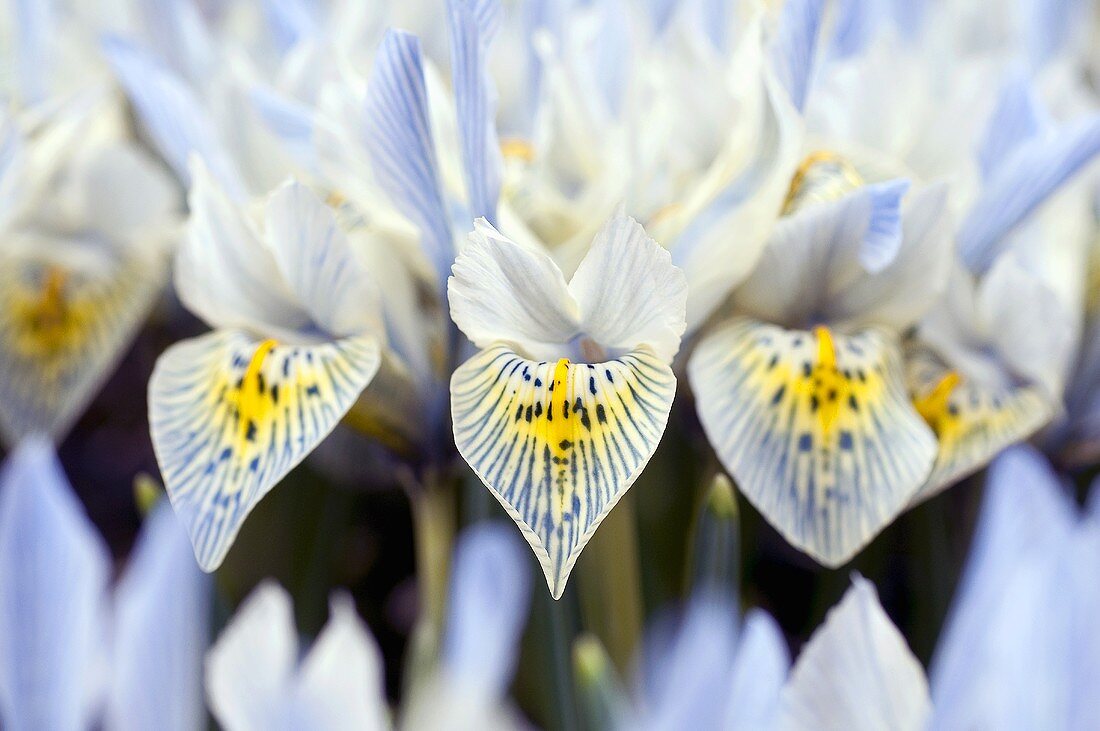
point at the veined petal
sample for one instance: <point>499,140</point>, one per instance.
<point>54,569</point>
<point>399,137</point>
<point>794,47</point>
<point>475,101</point>
<point>856,672</point>
<point>172,113</point>
<point>972,421</point>
<point>816,429</point>
<point>231,416</point>
<point>489,579</point>
<point>68,309</point>
<point>1034,170</point>
<point>162,629</point>
<point>315,259</point>
<point>340,685</point>
<point>249,670</point>
<point>559,444</point>
<point>503,291</point>
<point>629,292</point>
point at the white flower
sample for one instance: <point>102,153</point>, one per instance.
<point>559,442</point>
<point>297,338</point>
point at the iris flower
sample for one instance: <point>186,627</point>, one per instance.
<point>87,218</point>
<point>297,336</point>
<point>803,393</point>
<point>73,653</point>
<point>568,398</point>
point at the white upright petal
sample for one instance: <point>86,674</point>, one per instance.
<point>340,684</point>
<point>503,291</point>
<point>161,630</point>
<point>820,251</point>
<point>54,569</point>
<point>250,668</point>
<point>1027,323</point>
<point>856,673</point>
<point>314,258</point>
<point>902,291</point>
<point>629,292</point>
<point>224,272</point>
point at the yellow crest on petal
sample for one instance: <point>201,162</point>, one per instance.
<point>559,443</point>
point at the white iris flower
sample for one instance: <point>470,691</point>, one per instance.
<point>297,337</point>
<point>568,398</point>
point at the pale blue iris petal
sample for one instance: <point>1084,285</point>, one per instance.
<point>855,25</point>
<point>475,102</point>
<point>54,569</point>
<point>759,672</point>
<point>176,29</point>
<point>162,628</point>
<point>1050,26</point>
<point>688,676</point>
<point>35,24</point>
<point>795,45</point>
<point>289,21</point>
<point>1018,117</point>
<point>1028,177</point>
<point>1025,511</point>
<point>489,596</point>
<point>883,236</point>
<point>290,121</point>
<point>171,112</point>
<point>399,139</point>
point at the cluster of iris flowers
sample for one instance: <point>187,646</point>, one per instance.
<point>708,301</point>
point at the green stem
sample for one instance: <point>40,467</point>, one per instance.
<point>610,584</point>
<point>561,643</point>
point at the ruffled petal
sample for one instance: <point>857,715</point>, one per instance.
<point>503,291</point>
<point>225,273</point>
<point>559,443</point>
<point>316,261</point>
<point>628,291</point>
<point>231,416</point>
<point>818,432</point>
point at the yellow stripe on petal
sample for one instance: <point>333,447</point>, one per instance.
<point>62,329</point>
<point>815,427</point>
<point>231,416</point>
<point>972,422</point>
<point>559,443</point>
